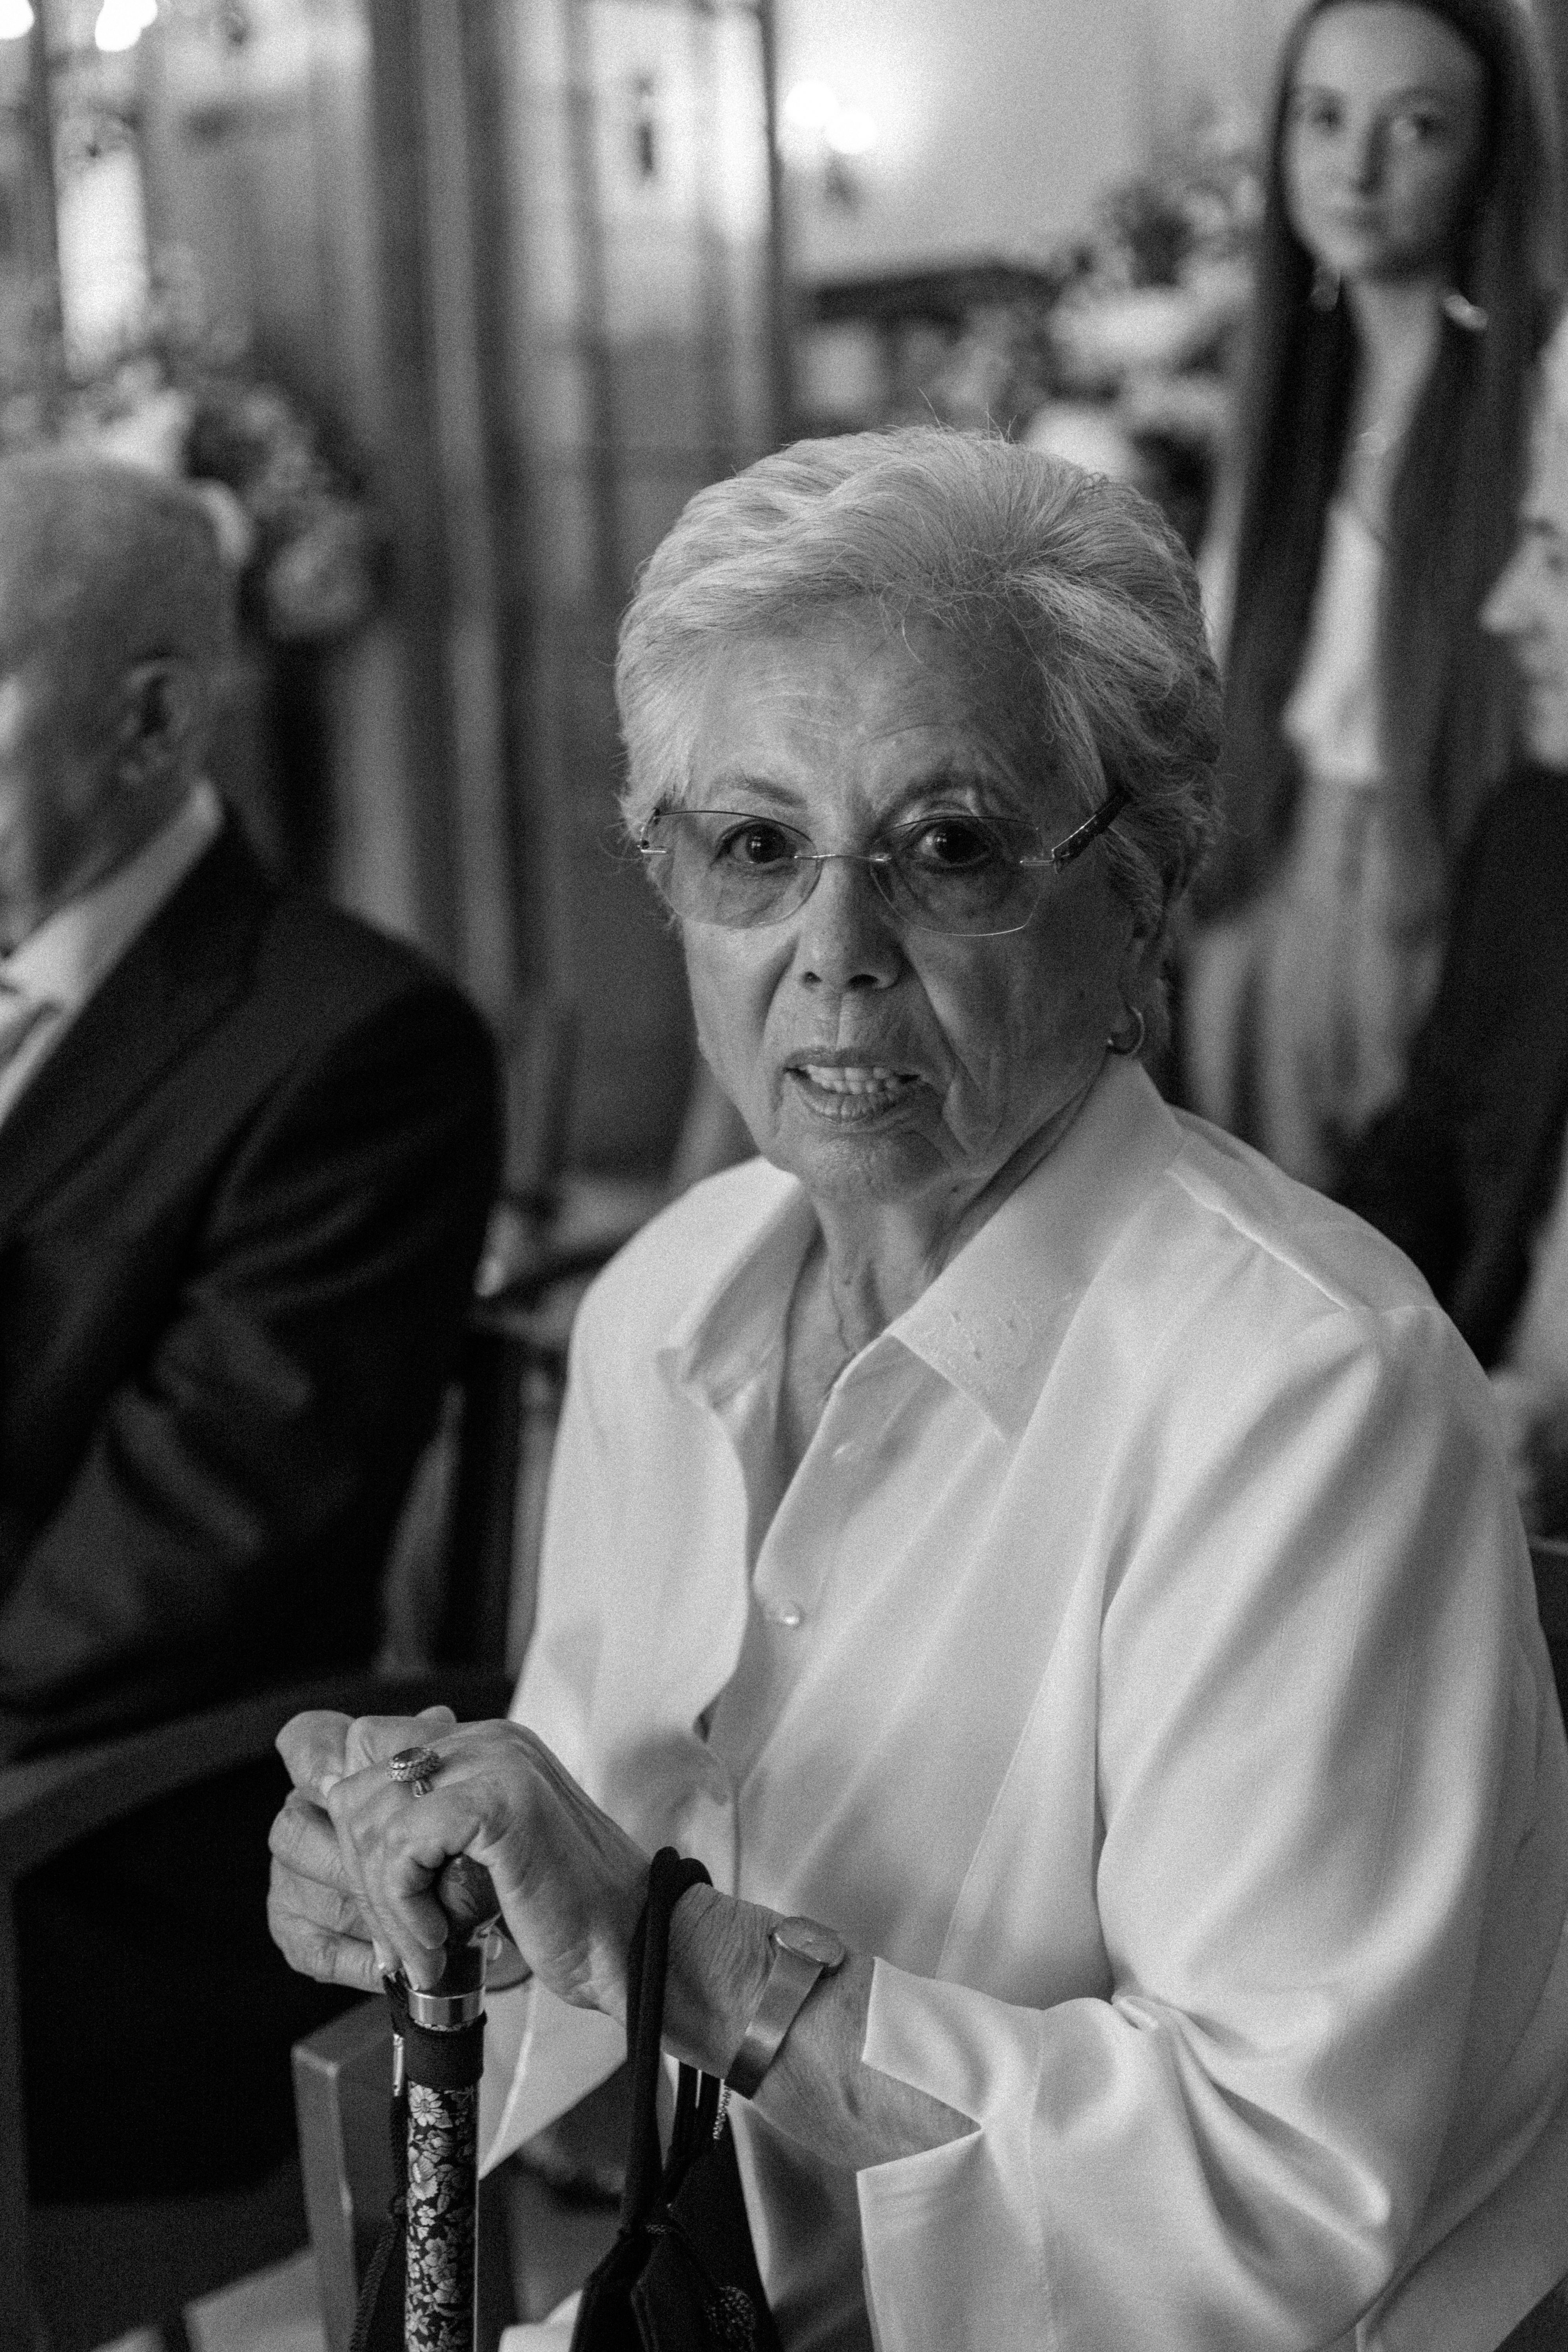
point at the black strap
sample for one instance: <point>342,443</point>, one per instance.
<point>668,1877</point>
<point>378,2317</point>
<point>696,2116</point>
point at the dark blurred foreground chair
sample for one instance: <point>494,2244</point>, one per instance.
<point>464,1585</point>
<point>72,2276</point>
<point>513,1376</point>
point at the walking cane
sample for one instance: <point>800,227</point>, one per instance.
<point>439,2054</point>
<point>437,2057</point>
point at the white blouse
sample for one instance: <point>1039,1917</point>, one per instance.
<point>1153,1682</point>
<point>1333,718</point>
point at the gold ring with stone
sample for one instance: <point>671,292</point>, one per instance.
<point>415,1768</point>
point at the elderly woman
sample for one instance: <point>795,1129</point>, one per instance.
<point>1006,1523</point>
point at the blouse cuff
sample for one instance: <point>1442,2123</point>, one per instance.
<point>919,2213</point>
<point>973,2051</point>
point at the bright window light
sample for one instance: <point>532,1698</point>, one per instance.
<point>121,23</point>
<point>850,132</point>
<point>15,18</point>
<point>810,105</point>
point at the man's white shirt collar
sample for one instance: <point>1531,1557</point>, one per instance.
<point>70,954</point>
<point>60,967</point>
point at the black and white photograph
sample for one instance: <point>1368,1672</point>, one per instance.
<point>784,1175</point>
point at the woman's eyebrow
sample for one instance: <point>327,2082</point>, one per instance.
<point>959,770</point>
<point>761,788</point>
<point>971,771</point>
<point>1425,93</point>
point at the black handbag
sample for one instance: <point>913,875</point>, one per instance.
<point>682,2274</point>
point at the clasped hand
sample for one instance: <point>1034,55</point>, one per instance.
<point>356,1854</point>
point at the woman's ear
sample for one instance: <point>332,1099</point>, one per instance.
<point>1140,975</point>
<point>1147,939</point>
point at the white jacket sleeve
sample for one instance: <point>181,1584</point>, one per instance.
<point>1316,1683</point>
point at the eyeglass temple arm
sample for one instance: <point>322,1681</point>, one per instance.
<point>1076,842</point>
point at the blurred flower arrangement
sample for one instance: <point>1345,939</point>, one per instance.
<point>1157,290</point>
<point>175,395</point>
<point>1119,353</point>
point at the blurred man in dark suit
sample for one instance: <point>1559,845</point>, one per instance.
<point>1469,1172</point>
<point>247,1148</point>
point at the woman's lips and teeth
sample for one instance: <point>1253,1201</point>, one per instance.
<point>849,1087</point>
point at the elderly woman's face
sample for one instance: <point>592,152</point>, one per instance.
<point>877,1061</point>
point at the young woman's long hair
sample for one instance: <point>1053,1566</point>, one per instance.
<point>1452,516</point>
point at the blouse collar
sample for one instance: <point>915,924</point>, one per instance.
<point>992,1322</point>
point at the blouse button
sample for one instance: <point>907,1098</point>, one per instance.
<point>787,1614</point>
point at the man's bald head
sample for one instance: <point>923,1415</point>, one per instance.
<point>121,563</point>
<point>113,621</point>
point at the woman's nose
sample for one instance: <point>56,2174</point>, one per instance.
<point>848,937</point>
<point>1364,157</point>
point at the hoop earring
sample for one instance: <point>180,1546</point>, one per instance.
<point>1464,313</point>
<point>1325,288</point>
<point>1134,1045</point>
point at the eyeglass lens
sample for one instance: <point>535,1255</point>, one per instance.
<point>947,873</point>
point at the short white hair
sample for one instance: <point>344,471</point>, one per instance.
<point>1066,590</point>
<point>99,547</point>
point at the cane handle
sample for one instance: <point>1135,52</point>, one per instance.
<point>467,1894</point>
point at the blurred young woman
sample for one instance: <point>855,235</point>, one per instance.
<point>1407,273</point>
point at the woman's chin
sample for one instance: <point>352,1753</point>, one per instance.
<point>885,1157</point>
<point>1366,256</point>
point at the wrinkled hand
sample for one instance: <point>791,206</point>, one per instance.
<point>312,1909</point>
<point>569,1880</point>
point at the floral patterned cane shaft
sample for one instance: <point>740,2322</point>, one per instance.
<point>443,2141</point>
